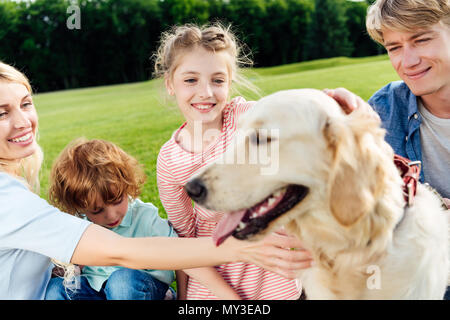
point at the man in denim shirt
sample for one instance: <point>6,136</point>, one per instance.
<point>402,117</point>
<point>415,111</point>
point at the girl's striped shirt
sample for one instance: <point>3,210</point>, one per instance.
<point>174,167</point>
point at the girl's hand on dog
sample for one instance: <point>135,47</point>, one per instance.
<point>278,253</point>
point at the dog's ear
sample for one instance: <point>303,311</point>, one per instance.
<point>353,181</point>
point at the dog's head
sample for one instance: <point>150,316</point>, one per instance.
<point>300,156</point>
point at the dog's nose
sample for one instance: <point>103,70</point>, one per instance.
<point>196,190</point>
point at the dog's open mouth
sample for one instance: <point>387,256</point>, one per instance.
<point>244,223</point>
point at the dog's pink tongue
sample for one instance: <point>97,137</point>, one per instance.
<point>227,225</point>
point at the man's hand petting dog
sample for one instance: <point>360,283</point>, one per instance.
<point>279,253</point>
<point>346,99</point>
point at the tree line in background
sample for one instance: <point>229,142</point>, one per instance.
<point>117,37</point>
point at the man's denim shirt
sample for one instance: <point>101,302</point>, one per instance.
<point>398,110</point>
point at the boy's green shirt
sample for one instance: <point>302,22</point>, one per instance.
<point>141,220</point>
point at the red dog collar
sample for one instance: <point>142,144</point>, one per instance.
<point>410,172</point>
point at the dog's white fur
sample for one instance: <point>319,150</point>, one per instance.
<point>365,244</point>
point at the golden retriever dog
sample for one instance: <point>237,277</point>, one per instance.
<point>337,189</point>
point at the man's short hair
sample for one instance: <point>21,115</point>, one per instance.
<point>405,15</point>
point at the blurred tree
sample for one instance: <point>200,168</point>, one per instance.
<point>328,35</point>
<point>249,17</point>
<point>176,12</point>
<point>287,23</point>
<point>9,19</point>
<point>114,44</point>
<point>117,37</point>
<point>39,28</point>
<point>360,40</point>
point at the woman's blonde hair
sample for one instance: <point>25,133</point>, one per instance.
<point>88,169</point>
<point>405,15</point>
<point>28,168</point>
<point>212,37</point>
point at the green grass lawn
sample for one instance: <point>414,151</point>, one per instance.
<point>138,119</point>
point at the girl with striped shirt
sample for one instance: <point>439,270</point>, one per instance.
<point>198,66</point>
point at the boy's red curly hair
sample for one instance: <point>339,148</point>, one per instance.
<point>88,169</point>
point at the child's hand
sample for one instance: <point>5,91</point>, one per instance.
<point>278,253</point>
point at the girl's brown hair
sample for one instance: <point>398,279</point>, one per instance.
<point>87,169</point>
